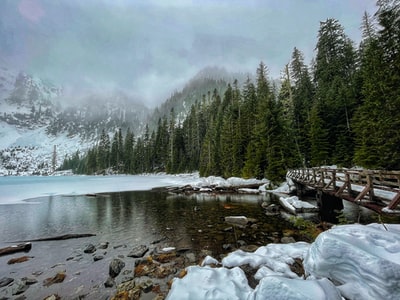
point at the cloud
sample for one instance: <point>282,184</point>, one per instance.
<point>152,47</point>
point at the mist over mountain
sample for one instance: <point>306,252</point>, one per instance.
<point>37,116</point>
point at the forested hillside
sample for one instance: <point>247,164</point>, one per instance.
<point>344,109</point>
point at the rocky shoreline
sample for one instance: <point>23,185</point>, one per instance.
<point>127,271</point>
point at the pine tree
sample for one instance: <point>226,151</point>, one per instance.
<point>303,95</point>
<point>128,151</point>
<point>333,76</point>
<point>377,118</point>
<point>103,151</point>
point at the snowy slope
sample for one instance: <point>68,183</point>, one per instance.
<point>35,117</point>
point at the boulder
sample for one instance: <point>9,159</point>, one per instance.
<point>116,267</point>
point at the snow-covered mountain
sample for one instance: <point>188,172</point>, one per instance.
<point>39,125</point>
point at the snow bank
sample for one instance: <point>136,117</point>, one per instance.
<point>366,260</point>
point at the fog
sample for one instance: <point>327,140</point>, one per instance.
<point>151,48</point>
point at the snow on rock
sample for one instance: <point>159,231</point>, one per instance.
<point>274,256</point>
<point>294,205</point>
<point>249,191</point>
<point>215,181</point>
<point>211,283</point>
<point>208,260</point>
<point>281,288</point>
<point>365,259</point>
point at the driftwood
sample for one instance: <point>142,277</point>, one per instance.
<point>64,237</point>
<point>16,248</point>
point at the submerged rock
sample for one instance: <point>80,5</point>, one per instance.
<point>58,278</point>
<point>19,287</point>
<point>18,260</point>
<point>237,220</point>
<point>5,281</point>
<point>90,248</point>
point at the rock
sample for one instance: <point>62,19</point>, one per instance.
<point>29,281</point>
<point>164,257</point>
<point>37,273</point>
<point>138,251</point>
<point>18,260</point>
<point>249,248</point>
<point>98,257</point>
<point>191,257</point>
<point>90,248</point>
<point>237,220</point>
<point>19,287</point>
<point>5,281</point>
<point>227,247</point>
<point>287,240</point>
<point>103,245</point>
<point>116,267</point>
<point>146,286</point>
<point>227,229</point>
<point>58,278</point>
<point>109,282</point>
<point>241,243</point>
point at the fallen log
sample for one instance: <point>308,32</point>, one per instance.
<point>63,237</point>
<point>16,248</point>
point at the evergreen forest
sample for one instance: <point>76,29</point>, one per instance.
<point>343,109</point>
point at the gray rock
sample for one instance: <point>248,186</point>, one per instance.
<point>29,281</point>
<point>90,248</point>
<point>5,281</point>
<point>109,282</point>
<point>98,257</point>
<point>138,251</point>
<point>19,287</point>
<point>191,257</point>
<point>116,267</point>
<point>103,245</point>
<point>237,220</point>
<point>287,240</point>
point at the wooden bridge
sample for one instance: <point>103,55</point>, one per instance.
<point>378,190</point>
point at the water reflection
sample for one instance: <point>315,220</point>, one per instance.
<point>148,216</point>
<point>196,220</point>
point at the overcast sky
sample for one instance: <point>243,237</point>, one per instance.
<point>152,47</point>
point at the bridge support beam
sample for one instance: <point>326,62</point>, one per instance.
<point>329,206</point>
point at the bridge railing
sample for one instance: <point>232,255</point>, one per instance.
<point>366,184</point>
